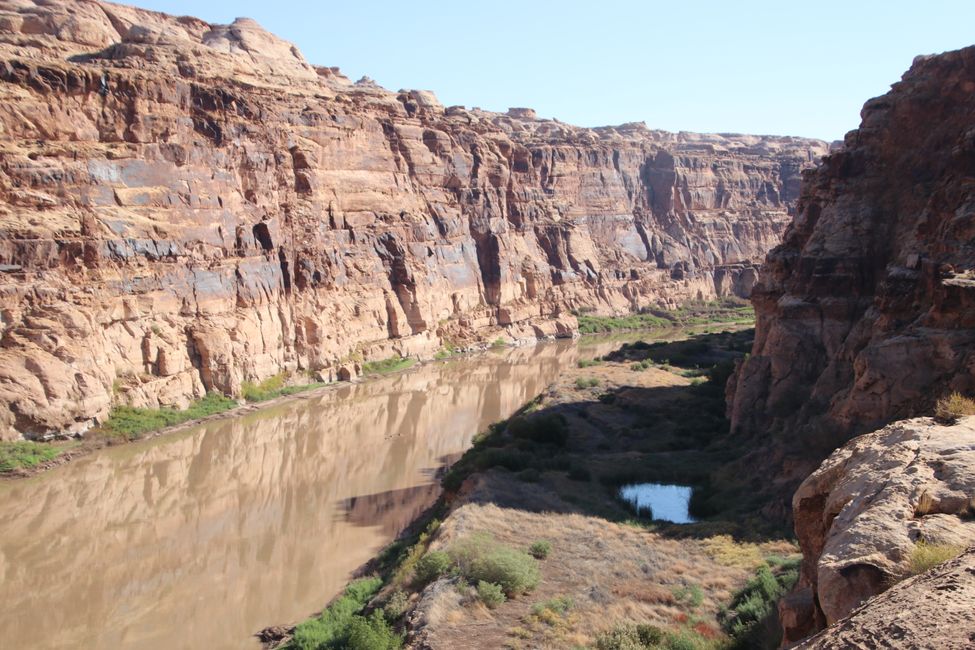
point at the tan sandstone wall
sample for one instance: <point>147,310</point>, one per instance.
<point>187,206</point>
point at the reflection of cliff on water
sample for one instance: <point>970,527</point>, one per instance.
<point>201,538</point>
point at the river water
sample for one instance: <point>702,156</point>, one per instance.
<point>201,538</point>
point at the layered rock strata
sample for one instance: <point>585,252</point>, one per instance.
<point>866,312</point>
<point>187,206</point>
<point>873,505</point>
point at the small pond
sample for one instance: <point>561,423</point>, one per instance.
<point>665,502</point>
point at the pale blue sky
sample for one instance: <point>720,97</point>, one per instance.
<point>796,68</point>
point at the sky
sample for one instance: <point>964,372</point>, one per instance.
<point>782,68</point>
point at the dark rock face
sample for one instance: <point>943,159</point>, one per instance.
<point>866,312</point>
<point>187,206</point>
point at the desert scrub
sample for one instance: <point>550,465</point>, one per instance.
<point>499,342</point>
<point>479,557</point>
<point>540,549</point>
<point>690,596</point>
<point>341,625</point>
<point>431,566</point>
<point>391,364</point>
<point>954,406</point>
<point>131,422</point>
<point>491,594</point>
<point>747,620</point>
<point>926,555</point>
<point>272,387</point>
<point>588,363</point>
<point>583,383</point>
<point>396,605</point>
<point>630,637</point>
<point>23,454</point>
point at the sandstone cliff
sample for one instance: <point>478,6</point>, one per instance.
<point>866,312</point>
<point>187,206</point>
<point>861,517</point>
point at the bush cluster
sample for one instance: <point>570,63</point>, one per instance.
<point>342,625</point>
<point>480,558</point>
<point>540,549</point>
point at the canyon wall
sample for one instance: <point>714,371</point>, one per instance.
<point>866,311</point>
<point>187,206</point>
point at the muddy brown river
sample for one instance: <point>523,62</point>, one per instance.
<point>202,537</point>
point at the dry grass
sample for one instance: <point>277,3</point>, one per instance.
<point>954,406</point>
<point>926,556</point>
<point>610,573</point>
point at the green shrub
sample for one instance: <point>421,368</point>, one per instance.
<point>540,549</point>
<point>559,605</point>
<point>267,389</point>
<point>479,557</point>
<point>491,594</point>
<point>691,596</point>
<point>954,406</point>
<point>391,364</point>
<point>583,383</point>
<point>588,363</point>
<point>24,454</point>
<point>372,633</point>
<point>545,428</point>
<point>396,605</point>
<point>431,566</point>
<point>333,627</point>
<point>926,556</point>
<point>625,636</point>
<point>754,605</point>
<point>499,342</point>
<point>132,422</point>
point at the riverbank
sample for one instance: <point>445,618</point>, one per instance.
<point>141,424</point>
<point>645,413</point>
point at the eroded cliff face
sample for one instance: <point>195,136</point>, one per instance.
<point>866,312</point>
<point>187,206</point>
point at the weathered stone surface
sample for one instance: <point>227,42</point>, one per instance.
<point>932,612</point>
<point>860,515</point>
<point>186,206</point>
<point>866,312</point>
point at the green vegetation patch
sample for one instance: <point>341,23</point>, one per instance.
<point>491,594</point>
<point>391,364</point>
<point>725,310</point>
<point>342,624</point>
<point>751,620</point>
<point>132,422</point>
<point>272,387</point>
<point>480,558</point>
<point>23,454</point>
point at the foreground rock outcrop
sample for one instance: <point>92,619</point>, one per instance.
<point>863,516</point>
<point>933,610</point>
<point>186,206</point>
<point>866,312</point>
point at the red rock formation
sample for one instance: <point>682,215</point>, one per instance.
<point>860,516</point>
<point>186,206</point>
<point>866,312</point>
